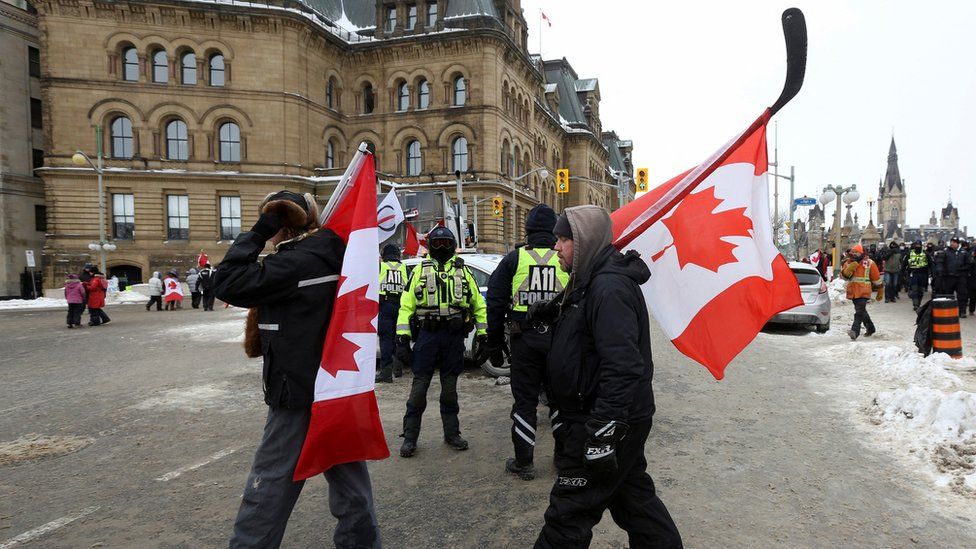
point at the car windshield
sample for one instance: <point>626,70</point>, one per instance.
<point>807,278</point>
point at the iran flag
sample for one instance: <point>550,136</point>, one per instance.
<point>716,277</point>
<point>345,425</point>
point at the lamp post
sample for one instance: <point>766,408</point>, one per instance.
<point>80,159</point>
<point>544,174</point>
<point>848,195</point>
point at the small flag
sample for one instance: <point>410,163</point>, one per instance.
<point>202,260</point>
<point>545,18</point>
<point>412,246</point>
<point>389,215</point>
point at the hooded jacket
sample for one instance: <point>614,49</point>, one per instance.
<point>96,288</point>
<point>191,280</point>
<point>74,291</point>
<point>156,284</point>
<point>600,362</point>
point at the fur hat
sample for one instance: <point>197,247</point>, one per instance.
<point>296,211</point>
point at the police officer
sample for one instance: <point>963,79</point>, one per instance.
<point>955,264</point>
<point>393,278</point>
<point>525,276</point>
<point>444,303</point>
<point>918,273</point>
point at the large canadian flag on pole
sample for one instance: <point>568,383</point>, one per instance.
<point>345,425</point>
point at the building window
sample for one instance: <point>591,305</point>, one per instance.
<point>189,69</point>
<point>40,218</point>
<point>423,95</point>
<point>431,14</point>
<point>160,67</point>
<point>37,158</point>
<point>403,97</point>
<point>230,142</point>
<point>177,143</point>
<point>459,156</point>
<point>230,217</point>
<point>411,17</point>
<point>37,113</point>
<point>330,93</point>
<point>460,91</point>
<point>217,70</point>
<point>368,99</point>
<point>414,162</point>
<point>329,155</point>
<point>177,217</point>
<point>123,216</point>
<point>34,61</point>
<point>130,64</point>
<point>121,133</point>
<point>390,19</point>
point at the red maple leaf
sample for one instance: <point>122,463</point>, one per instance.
<point>353,313</point>
<point>698,231</point>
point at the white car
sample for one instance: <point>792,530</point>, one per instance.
<point>481,267</point>
<point>815,310</point>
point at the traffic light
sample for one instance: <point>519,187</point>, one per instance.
<point>562,180</point>
<point>497,207</point>
<point>641,180</point>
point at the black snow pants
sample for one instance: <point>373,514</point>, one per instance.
<point>580,495</point>
<point>528,371</point>
<point>444,351</point>
<point>158,300</point>
<point>208,300</point>
<point>861,316</point>
<point>74,313</point>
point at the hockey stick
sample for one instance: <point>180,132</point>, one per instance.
<point>795,34</point>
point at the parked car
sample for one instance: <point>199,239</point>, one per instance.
<point>481,266</point>
<point>815,310</point>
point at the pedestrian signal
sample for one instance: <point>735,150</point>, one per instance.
<point>641,180</point>
<point>562,180</point>
<point>497,207</point>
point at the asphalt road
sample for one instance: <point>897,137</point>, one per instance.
<point>151,422</point>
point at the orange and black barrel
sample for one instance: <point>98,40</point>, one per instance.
<point>945,327</point>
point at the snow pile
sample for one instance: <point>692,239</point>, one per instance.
<point>128,296</point>
<point>938,416</point>
<point>907,367</point>
<point>112,298</point>
<point>837,290</point>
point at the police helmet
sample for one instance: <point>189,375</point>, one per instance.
<point>441,234</point>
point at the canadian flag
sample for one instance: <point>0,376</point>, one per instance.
<point>545,18</point>
<point>716,277</point>
<point>345,425</point>
<point>202,259</point>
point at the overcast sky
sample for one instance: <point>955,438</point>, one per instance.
<point>681,78</point>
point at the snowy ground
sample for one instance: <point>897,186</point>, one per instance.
<point>112,298</point>
<point>920,410</point>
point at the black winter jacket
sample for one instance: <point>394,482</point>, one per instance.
<point>498,298</point>
<point>954,262</point>
<point>600,364</point>
<point>294,291</point>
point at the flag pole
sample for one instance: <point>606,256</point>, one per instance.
<point>540,35</point>
<point>343,186</point>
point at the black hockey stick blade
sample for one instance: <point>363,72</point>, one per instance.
<point>795,33</point>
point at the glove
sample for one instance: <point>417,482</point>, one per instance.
<point>497,354</point>
<point>267,225</point>
<point>543,312</point>
<point>880,294</point>
<point>480,349</point>
<point>600,451</point>
<point>403,351</point>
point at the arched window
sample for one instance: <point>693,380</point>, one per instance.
<point>188,63</point>
<point>423,94</point>
<point>414,162</point>
<point>330,93</point>
<point>367,98</point>
<point>516,161</point>
<point>160,67</point>
<point>403,96</point>
<point>330,154</point>
<point>121,133</point>
<point>460,90</point>
<point>459,155</point>
<point>230,142</point>
<point>217,70</point>
<point>503,166</point>
<point>130,64</point>
<point>177,143</point>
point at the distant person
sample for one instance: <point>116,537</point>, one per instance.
<point>918,273</point>
<point>113,284</point>
<point>86,273</point>
<point>96,288</point>
<point>863,277</point>
<point>193,282</point>
<point>954,265</point>
<point>74,294</point>
<point>205,281</point>
<point>173,291</point>
<point>892,272</point>
<point>155,291</point>
<point>820,261</point>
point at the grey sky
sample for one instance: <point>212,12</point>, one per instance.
<point>681,78</point>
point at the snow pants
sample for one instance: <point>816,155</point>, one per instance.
<point>528,371</point>
<point>195,300</point>
<point>861,316</point>
<point>270,493</point>
<point>97,316</point>
<point>74,313</point>
<point>208,300</point>
<point>158,300</point>
<point>443,350</point>
<point>580,496</point>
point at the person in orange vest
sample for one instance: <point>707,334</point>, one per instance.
<point>863,277</point>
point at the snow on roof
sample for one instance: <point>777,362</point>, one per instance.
<point>586,85</point>
<point>551,87</point>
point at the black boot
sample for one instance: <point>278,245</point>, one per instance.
<point>408,448</point>
<point>397,367</point>
<point>385,374</point>
<point>524,472</point>
<point>455,441</point>
<point>452,432</point>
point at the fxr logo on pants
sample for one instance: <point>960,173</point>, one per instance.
<point>575,482</point>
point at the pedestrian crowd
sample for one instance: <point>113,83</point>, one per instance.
<point>86,290</point>
<point>167,292</point>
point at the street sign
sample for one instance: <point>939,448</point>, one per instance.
<point>30,259</point>
<point>805,201</point>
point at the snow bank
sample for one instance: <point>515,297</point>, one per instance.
<point>837,290</point>
<point>112,298</point>
<point>938,416</point>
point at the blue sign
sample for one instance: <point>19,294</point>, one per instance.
<point>805,201</point>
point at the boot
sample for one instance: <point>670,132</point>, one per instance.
<point>385,375</point>
<point>408,448</point>
<point>397,367</point>
<point>452,432</point>
<point>455,441</point>
<point>524,472</point>
<point>852,334</point>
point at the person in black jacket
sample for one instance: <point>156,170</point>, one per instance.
<point>954,264</point>
<point>291,294</point>
<point>205,283</point>
<point>599,378</point>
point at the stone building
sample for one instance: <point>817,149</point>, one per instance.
<point>207,107</point>
<point>891,199</point>
<point>22,145</point>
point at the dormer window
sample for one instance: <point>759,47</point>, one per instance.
<point>390,19</point>
<point>411,17</point>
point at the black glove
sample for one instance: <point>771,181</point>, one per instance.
<point>600,451</point>
<point>403,352</point>
<point>267,225</point>
<point>543,312</point>
<point>480,349</point>
<point>497,353</point>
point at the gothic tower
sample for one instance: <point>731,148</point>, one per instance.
<point>891,199</point>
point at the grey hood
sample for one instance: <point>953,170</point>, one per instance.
<point>592,232</point>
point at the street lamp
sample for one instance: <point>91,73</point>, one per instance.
<point>848,195</point>
<point>544,174</point>
<point>81,159</point>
